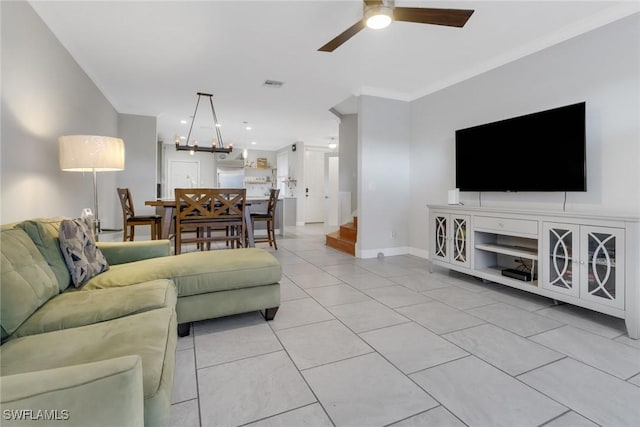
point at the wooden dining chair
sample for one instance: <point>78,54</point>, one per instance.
<point>269,217</point>
<point>131,220</point>
<point>210,210</point>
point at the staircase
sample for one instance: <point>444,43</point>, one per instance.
<point>345,238</point>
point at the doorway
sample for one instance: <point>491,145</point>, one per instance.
<point>183,174</point>
<point>314,186</point>
<point>332,195</point>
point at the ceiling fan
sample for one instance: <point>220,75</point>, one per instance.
<point>379,14</point>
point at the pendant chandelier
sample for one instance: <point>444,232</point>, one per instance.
<point>216,146</point>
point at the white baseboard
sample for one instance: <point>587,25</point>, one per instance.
<point>373,253</point>
<point>420,253</point>
<point>403,250</point>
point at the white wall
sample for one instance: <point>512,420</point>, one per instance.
<point>45,94</point>
<point>601,67</point>
<point>296,168</point>
<point>253,156</point>
<point>348,179</point>
<point>384,132</point>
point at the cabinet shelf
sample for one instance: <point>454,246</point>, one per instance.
<point>496,271</point>
<point>519,251</point>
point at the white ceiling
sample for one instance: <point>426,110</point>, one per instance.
<point>151,58</point>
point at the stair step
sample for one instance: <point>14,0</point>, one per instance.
<point>349,231</point>
<point>342,237</point>
<point>336,241</point>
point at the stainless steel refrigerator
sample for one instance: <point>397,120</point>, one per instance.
<point>231,174</point>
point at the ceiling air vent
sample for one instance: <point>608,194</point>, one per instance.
<point>273,83</point>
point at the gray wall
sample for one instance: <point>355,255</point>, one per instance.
<point>140,137</point>
<point>45,94</point>
<point>601,67</point>
<point>384,133</point>
<point>348,166</point>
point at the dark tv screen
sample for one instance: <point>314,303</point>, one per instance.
<point>543,151</point>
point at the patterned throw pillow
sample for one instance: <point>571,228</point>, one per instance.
<point>81,254</point>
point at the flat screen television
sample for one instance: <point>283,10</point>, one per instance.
<point>542,151</point>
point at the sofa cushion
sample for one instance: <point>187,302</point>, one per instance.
<point>73,308</point>
<point>81,391</point>
<point>198,272</point>
<point>124,252</point>
<point>80,252</point>
<point>151,335</point>
<point>26,280</point>
<point>44,233</point>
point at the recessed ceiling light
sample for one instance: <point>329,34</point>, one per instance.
<point>273,83</point>
<point>183,138</point>
<point>248,127</point>
<point>332,145</point>
<point>184,122</point>
<point>218,125</point>
<point>253,143</point>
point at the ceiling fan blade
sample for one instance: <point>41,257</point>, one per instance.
<point>448,17</point>
<point>343,37</point>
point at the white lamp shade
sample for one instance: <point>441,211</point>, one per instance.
<point>86,153</point>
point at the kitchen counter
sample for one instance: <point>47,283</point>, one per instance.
<point>285,212</point>
<point>267,197</point>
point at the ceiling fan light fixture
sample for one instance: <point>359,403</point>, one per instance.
<point>378,17</point>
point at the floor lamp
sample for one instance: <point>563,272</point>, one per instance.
<point>91,153</point>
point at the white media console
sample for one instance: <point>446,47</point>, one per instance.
<point>585,260</point>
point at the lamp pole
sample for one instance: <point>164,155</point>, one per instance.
<point>96,217</point>
<point>91,153</point>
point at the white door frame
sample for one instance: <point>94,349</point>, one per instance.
<point>172,165</point>
<point>319,192</point>
<point>331,191</point>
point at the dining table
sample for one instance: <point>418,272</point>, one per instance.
<point>168,206</point>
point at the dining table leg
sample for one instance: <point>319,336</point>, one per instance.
<point>167,219</point>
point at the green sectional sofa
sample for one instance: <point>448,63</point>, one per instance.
<point>104,354</point>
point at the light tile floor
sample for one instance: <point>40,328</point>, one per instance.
<point>382,342</point>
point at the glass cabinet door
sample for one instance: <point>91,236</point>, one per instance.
<point>560,262</point>
<point>440,237</point>
<point>459,241</point>
<point>602,272</point>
